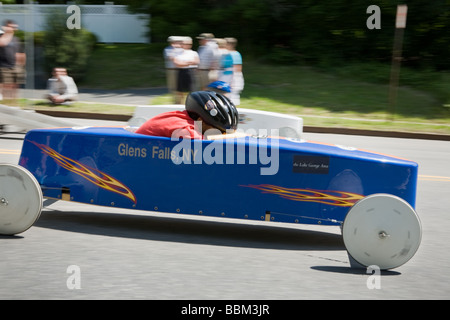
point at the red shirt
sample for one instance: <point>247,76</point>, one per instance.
<point>164,124</point>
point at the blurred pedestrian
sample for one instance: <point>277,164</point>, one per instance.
<point>12,61</point>
<point>170,52</point>
<point>208,53</point>
<point>186,64</point>
<point>62,88</point>
<point>226,63</point>
<point>219,87</point>
<point>237,83</point>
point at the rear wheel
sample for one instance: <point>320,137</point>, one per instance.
<point>382,230</point>
<point>20,199</point>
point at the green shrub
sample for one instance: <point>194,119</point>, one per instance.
<point>66,48</point>
<point>281,55</point>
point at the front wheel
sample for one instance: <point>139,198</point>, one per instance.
<point>382,230</point>
<point>20,199</point>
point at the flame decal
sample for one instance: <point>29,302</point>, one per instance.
<point>93,175</point>
<point>334,198</point>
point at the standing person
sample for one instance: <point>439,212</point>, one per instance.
<point>237,84</point>
<point>226,63</point>
<point>187,63</point>
<point>12,61</point>
<point>169,53</point>
<point>208,52</point>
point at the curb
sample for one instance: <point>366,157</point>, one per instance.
<point>309,129</point>
<point>84,115</point>
<point>378,133</point>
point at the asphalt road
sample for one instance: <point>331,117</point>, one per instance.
<point>124,254</point>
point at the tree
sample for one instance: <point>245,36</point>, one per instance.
<point>314,31</point>
<point>64,47</point>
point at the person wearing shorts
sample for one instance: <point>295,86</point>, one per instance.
<point>12,61</point>
<point>186,63</point>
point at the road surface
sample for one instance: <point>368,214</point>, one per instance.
<point>79,251</point>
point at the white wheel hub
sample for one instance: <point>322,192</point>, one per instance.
<point>20,199</point>
<point>382,230</point>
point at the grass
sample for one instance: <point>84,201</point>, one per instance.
<point>332,99</point>
<point>303,90</point>
<point>355,95</point>
<point>125,66</point>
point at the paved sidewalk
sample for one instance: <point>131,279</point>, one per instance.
<point>123,96</point>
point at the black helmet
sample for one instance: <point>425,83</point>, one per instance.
<point>213,108</point>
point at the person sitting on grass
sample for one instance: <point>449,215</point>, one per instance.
<point>62,89</point>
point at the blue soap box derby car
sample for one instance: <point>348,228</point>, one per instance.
<point>275,179</point>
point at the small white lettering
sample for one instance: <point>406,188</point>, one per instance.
<point>250,309</point>
<point>209,311</point>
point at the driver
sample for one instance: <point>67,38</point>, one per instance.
<point>204,110</point>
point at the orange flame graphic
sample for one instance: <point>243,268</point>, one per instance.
<point>93,175</point>
<point>334,198</point>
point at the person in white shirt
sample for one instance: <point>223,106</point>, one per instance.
<point>208,52</point>
<point>169,53</point>
<point>61,87</point>
<point>187,63</point>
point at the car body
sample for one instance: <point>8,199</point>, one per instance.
<point>237,176</point>
<point>306,182</point>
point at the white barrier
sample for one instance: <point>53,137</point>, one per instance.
<point>110,23</point>
<point>29,119</point>
<point>288,126</point>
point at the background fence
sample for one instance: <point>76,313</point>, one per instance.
<point>110,23</point>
